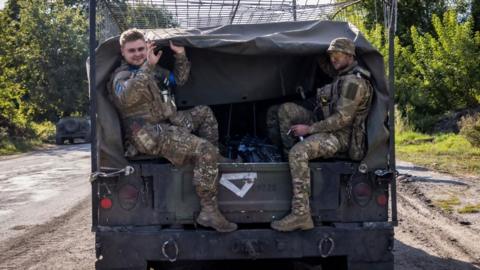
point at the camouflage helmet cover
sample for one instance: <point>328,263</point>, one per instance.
<point>342,44</point>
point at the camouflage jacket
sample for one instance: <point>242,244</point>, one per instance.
<point>143,94</point>
<point>345,104</point>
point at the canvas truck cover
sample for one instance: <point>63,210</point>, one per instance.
<point>239,63</point>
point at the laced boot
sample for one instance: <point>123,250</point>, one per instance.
<point>293,222</point>
<point>210,216</point>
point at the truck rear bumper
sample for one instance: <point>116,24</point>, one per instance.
<point>131,248</point>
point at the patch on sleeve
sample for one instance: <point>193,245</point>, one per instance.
<point>171,80</point>
<point>351,91</point>
<point>119,87</point>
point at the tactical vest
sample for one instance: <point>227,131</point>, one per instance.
<point>327,98</point>
<point>155,106</point>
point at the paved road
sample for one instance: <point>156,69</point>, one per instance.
<point>40,185</point>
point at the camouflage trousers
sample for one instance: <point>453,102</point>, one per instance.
<point>319,145</point>
<point>177,144</point>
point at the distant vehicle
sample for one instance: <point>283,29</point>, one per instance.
<point>71,128</point>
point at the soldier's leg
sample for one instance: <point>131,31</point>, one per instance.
<point>181,145</point>
<point>318,145</point>
<point>273,127</point>
<point>205,123</point>
<point>205,179</point>
<point>292,114</point>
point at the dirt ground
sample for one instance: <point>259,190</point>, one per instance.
<point>426,238</point>
<point>429,237</point>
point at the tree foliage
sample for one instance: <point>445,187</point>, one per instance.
<point>439,73</point>
<point>43,53</point>
<point>416,13</point>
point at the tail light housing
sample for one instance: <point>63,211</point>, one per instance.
<point>361,192</point>
<point>128,196</point>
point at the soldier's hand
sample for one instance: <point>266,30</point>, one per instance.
<point>300,130</point>
<point>152,58</point>
<point>177,49</point>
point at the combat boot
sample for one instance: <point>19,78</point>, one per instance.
<point>210,216</point>
<point>293,222</point>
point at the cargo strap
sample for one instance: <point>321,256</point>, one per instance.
<point>112,172</point>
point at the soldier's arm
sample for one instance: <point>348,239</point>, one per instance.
<point>181,70</point>
<point>351,95</point>
<point>129,89</point>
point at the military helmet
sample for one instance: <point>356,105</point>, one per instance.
<point>342,44</point>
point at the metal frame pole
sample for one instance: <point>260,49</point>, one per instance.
<point>391,119</point>
<point>93,102</point>
<point>294,10</point>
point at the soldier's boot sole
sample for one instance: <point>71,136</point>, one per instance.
<point>306,225</point>
<point>208,222</point>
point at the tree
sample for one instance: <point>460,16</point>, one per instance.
<point>52,49</point>
<point>475,11</point>
<point>13,109</point>
<point>439,73</point>
<point>410,13</point>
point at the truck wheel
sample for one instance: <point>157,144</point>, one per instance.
<point>71,141</point>
<point>71,125</point>
<point>58,140</point>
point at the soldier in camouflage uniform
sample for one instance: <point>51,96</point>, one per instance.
<point>140,90</point>
<point>343,106</point>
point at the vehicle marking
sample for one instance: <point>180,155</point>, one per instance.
<point>247,178</point>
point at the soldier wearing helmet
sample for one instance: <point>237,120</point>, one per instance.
<point>336,125</point>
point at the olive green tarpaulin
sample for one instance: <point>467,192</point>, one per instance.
<point>238,63</point>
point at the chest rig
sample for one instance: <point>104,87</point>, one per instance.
<point>328,95</point>
<point>154,99</point>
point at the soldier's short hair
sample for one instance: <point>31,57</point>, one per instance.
<point>129,35</point>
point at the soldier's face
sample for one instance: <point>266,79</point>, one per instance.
<point>135,52</point>
<point>340,60</point>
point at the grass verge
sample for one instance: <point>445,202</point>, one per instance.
<point>450,153</point>
<point>16,146</point>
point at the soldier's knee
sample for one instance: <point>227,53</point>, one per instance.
<point>285,109</point>
<point>206,110</point>
<point>208,152</point>
<point>298,152</point>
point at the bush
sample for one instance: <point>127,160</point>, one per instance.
<point>44,131</point>
<point>438,74</point>
<point>470,129</point>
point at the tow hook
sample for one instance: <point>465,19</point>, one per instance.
<point>251,248</point>
<point>167,251</point>
<point>326,246</point>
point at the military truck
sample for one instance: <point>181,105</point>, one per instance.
<point>71,128</point>
<point>144,208</point>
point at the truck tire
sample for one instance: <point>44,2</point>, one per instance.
<point>59,140</point>
<point>71,125</point>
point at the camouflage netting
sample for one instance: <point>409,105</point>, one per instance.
<point>115,16</point>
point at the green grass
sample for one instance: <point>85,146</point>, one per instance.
<point>33,136</point>
<point>16,146</point>
<point>469,209</point>
<point>448,204</point>
<point>450,153</point>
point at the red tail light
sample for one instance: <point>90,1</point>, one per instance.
<point>382,200</point>
<point>106,203</point>
<point>128,196</point>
